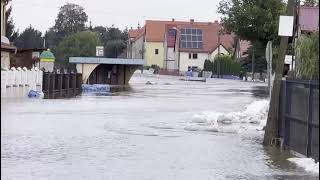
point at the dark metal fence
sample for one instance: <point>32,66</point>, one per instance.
<point>299,117</point>
<point>61,85</point>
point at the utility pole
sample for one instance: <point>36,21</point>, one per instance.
<point>271,129</point>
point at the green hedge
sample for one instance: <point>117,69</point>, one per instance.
<point>227,66</point>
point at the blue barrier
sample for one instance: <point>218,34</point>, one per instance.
<point>88,88</point>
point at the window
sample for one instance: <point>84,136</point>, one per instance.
<point>191,38</point>
<point>156,51</point>
<point>195,56</point>
<point>172,32</point>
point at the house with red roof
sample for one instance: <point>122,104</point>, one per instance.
<point>177,45</point>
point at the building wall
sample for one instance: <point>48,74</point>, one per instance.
<point>185,61</point>
<point>3,11</point>
<point>151,57</point>
<point>23,59</point>
<point>215,52</point>
<point>137,49</point>
<point>5,59</point>
<point>170,59</point>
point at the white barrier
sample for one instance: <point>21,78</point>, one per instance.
<point>4,79</point>
<point>21,77</point>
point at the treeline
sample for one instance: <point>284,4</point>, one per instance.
<point>71,35</point>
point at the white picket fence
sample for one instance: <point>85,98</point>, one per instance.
<point>21,77</point>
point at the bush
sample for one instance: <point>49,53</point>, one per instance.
<point>227,66</point>
<point>307,60</point>
<point>156,68</point>
<point>208,65</point>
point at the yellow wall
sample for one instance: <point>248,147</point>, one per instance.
<point>3,18</point>
<point>151,57</point>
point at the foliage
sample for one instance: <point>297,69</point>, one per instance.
<point>29,38</point>
<point>227,66</point>
<point>70,19</point>
<point>80,44</point>
<point>114,40</point>
<point>51,38</point>
<point>260,63</point>
<point>156,68</point>
<point>311,3</point>
<point>11,33</point>
<point>253,20</point>
<point>208,65</point>
<point>307,60</point>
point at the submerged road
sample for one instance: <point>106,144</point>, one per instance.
<point>171,130</point>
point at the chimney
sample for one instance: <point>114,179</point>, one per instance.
<point>192,20</point>
<point>172,19</point>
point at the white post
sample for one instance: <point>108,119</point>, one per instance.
<point>269,66</point>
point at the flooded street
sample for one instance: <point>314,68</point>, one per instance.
<point>169,130</point>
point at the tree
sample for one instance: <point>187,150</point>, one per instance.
<point>29,38</point>
<point>71,19</point>
<point>114,48</point>
<point>114,40</point>
<point>311,3</point>
<point>260,63</point>
<point>253,20</point>
<point>11,33</point>
<point>80,44</point>
<point>51,38</point>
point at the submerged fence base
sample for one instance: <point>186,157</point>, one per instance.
<point>56,85</point>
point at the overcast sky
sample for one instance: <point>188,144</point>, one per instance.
<point>42,13</point>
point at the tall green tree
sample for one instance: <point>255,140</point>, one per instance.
<point>114,40</point>
<point>29,38</point>
<point>70,19</point>
<point>253,20</point>
<point>79,44</point>
<point>51,38</point>
<point>11,33</point>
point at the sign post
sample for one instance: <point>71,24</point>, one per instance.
<point>269,67</point>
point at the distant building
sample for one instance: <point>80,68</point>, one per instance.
<point>308,19</point>
<point>177,45</point>
<point>28,58</point>
<point>6,47</point>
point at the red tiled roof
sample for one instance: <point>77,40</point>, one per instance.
<point>155,31</point>
<point>136,33</point>
<point>309,18</point>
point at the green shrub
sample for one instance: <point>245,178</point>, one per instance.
<point>208,65</point>
<point>227,66</point>
<point>307,57</point>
